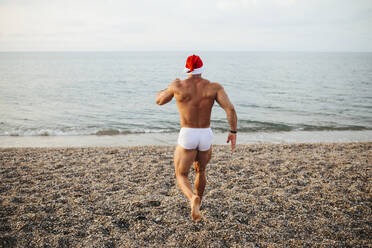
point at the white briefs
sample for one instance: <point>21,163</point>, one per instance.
<point>195,138</point>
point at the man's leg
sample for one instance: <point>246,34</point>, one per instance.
<point>183,159</point>
<point>203,158</point>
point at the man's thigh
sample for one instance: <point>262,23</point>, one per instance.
<point>183,159</point>
<point>202,159</point>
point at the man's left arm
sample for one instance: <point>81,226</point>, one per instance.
<point>165,96</point>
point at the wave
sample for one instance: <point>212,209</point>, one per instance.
<point>261,126</point>
<point>39,132</point>
<point>108,132</point>
<point>331,128</point>
<point>245,126</point>
<point>80,132</point>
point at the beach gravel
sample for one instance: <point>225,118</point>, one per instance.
<point>260,195</point>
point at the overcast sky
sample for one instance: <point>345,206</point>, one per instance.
<point>227,25</point>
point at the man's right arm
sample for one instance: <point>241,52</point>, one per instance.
<point>224,101</point>
<point>165,96</point>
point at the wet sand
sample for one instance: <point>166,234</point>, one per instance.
<point>261,195</point>
<point>170,139</point>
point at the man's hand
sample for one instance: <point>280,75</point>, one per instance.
<point>232,137</point>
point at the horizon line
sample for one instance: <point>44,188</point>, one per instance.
<point>251,51</point>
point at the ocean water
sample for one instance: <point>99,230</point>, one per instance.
<point>110,93</point>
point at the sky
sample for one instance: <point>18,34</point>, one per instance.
<point>178,25</point>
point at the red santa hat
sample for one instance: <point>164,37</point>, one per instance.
<point>194,65</point>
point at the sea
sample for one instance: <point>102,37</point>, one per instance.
<point>86,95</point>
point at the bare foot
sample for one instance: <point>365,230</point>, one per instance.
<point>195,208</point>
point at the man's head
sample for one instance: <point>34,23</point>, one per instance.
<point>194,65</point>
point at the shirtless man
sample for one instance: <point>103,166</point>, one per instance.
<point>195,97</point>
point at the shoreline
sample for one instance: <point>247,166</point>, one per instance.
<point>268,195</point>
<point>170,139</point>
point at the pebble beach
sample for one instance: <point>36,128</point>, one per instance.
<point>260,195</point>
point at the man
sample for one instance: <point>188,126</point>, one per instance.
<point>195,97</point>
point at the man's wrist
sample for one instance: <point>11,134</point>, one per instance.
<point>233,131</point>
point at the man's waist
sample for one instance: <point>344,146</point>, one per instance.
<point>196,128</point>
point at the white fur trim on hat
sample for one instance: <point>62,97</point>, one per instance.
<point>195,71</point>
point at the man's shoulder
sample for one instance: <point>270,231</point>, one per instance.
<point>175,84</point>
<point>216,86</point>
<point>176,81</point>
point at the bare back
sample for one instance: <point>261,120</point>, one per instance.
<point>195,97</point>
